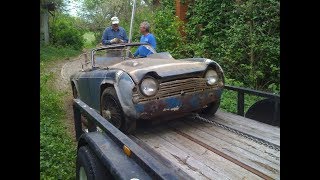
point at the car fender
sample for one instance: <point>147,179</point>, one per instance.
<point>73,80</point>
<point>208,62</point>
<point>123,85</point>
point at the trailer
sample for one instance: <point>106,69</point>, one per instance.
<point>225,146</point>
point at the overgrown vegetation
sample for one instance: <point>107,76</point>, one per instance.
<point>229,98</point>
<point>51,53</point>
<point>64,32</point>
<point>57,151</point>
<point>89,39</point>
<point>243,36</point>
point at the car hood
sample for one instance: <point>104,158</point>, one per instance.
<point>137,68</point>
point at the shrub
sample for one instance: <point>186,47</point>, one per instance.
<point>65,33</point>
<point>243,36</point>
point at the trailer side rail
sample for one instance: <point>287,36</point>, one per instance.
<point>143,158</point>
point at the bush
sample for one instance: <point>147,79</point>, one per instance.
<point>166,30</point>
<point>243,36</point>
<point>63,32</point>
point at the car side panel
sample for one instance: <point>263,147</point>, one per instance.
<point>99,77</point>
<point>122,83</point>
<point>82,85</point>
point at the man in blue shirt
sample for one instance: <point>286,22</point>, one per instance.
<point>146,37</point>
<point>114,33</point>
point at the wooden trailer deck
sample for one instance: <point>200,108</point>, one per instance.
<point>202,150</point>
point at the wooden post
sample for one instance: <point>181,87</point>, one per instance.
<point>181,10</point>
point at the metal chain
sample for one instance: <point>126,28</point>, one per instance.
<point>247,136</point>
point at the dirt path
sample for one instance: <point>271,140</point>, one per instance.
<point>62,71</point>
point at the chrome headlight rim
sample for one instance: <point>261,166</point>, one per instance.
<point>142,89</point>
<point>211,77</point>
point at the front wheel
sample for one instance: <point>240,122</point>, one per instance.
<point>211,109</point>
<point>111,110</point>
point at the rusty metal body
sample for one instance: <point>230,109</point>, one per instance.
<point>182,86</point>
<point>176,97</point>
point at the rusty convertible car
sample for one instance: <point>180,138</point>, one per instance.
<point>124,89</point>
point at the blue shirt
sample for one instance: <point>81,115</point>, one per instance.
<point>143,51</point>
<point>110,33</point>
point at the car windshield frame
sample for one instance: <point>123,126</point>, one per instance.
<point>117,46</point>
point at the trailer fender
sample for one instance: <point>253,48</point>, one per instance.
<point>112,156</point>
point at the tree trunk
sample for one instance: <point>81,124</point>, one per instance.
<point>44,29</point>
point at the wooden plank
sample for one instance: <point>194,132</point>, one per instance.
<point>176,156</point>
<point>242,155</point>
<point>162,159</point>
<point>207,157</point>
<point>197,158</point>
<point>260,130</point>
<point>239,141</point>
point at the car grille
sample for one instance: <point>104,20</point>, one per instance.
<point>176,87</point>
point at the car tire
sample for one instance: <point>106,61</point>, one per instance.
<point>74,92</point>
<point>111,110</point>
<point>211,109</point>
<point>88,166</point>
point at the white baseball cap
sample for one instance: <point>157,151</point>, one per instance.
<point>115,20</point>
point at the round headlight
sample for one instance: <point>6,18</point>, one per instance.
<point>149,87</point>
<point>211,77</point>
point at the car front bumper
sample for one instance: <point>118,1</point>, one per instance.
<point>172,107</point>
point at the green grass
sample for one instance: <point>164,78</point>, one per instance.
<point>89,40</point>
<point>51,53</point>
<point>229,101</point>
<point>229,98</point>
<point>57,151</point>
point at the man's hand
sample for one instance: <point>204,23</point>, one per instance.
<point>114,40</point>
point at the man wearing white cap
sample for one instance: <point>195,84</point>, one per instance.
<point>114,33</point>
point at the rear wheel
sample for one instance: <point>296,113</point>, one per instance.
<point>211,109</point>
<point>111,110</point>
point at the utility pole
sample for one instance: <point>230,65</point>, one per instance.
<point>132,18</point>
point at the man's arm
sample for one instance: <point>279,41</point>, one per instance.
<point>105,41</point>
<point>152,41</point>
<point>125,38</point>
